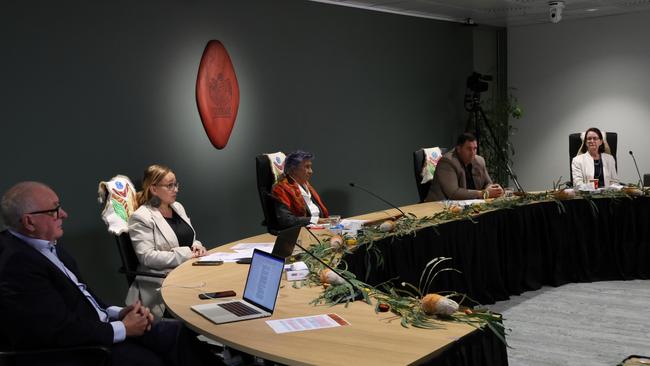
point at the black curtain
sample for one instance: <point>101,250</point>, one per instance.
<point>511,251</point>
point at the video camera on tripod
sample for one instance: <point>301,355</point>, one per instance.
<point>476,84</point>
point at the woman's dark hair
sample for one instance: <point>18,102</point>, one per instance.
<point>601,148</point>
<point>293,160</point>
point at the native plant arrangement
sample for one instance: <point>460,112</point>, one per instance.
<point>418,307</point>
<point>408,225</point>
<point>412,304</point>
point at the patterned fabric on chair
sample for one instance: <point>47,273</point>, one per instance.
<point>118,196</point>
<point>424,166</point>
<point>277,164</point>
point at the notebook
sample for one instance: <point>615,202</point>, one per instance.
<point>286,241</point>
<point>260,293</point>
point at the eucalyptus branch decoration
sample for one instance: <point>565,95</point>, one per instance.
<point>414,305</point>
<point>417,307</point>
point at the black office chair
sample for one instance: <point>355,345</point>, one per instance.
<point>93,355</point>
<point>265,181</point>
<point>646,180</point>
<point>418,161</point>
<point>130,260</point>
<point>575,142</point>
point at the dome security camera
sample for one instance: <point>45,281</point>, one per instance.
<point>555,11</point>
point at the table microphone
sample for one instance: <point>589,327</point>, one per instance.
<point>376,196</point>
<point>357,295</point>
<point>637,169</point>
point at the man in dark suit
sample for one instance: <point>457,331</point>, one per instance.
<point>461,174</point>
<point>44,302</point>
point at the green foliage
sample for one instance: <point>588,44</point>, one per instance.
<point>500,112</point>
<point>405,301</point>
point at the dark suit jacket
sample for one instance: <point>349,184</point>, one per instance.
<point>39,305</point>
<point>449,179</point>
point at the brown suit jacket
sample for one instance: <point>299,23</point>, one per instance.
<point>449,179</point>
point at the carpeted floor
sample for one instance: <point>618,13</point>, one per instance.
<point>599,323</point>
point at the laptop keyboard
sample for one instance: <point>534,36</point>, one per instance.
<point>239,308</point>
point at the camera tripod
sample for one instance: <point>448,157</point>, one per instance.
<point>476,115</point>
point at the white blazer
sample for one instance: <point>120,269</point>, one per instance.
<point>582,169</point>
<point>157,249</point>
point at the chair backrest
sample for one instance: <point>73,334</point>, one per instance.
<point>127,255</point>
<point>418,162</point>
<point>575,141</point>
<point>646,180</point>
<point>265,181</point>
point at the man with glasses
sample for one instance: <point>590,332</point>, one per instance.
<point>44,302</point>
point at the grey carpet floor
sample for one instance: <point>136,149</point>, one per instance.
<point>598,323</point>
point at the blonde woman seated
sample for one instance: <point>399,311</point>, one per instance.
<point>161,233</point>
<point>594,161</point>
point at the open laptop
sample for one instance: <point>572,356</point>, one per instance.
<point>260,293</point>
<point>286,241</point>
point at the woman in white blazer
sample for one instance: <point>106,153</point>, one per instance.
<point>593,161</point>
<point>161,233</point>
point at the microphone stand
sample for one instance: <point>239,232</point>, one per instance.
<point>355,293</point>
<point>637,170</point>
<point>501,154</point>
<point>377,197</point>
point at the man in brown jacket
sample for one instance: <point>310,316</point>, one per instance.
<point>461,174</point>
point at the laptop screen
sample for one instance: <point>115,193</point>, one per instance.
<point>263,280</point>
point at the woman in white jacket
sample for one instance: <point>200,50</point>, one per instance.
<point>593,161</point>
<point>161,233</point>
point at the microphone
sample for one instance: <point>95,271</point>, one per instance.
<point>356,294</point>
<point>637,169</point>
<point>376,196</point>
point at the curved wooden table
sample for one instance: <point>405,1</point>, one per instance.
<point>370,339</point>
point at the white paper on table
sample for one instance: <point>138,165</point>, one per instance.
<point>226,257</point>
<point>249,252</point>
<point>300,324</point>
<point>352,223</point>
<point>251,246</point>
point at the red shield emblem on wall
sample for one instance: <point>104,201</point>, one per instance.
<point>217,93</point>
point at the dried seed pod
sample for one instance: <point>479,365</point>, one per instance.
<point>434,304</point>
<point>387,226</point>
<point>331,277</point>
<point>633,191</point>
<point>564,194</point>
<point>336,241</point>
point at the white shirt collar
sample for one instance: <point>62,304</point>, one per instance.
<point>38,244</point>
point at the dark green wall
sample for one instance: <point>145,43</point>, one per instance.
<point>93,89</point>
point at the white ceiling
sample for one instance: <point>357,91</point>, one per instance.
<point>497,12</point>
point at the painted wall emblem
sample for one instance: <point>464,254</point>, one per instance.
<point>217,94</point>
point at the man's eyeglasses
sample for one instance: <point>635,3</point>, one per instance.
<point>55,212</point>
<point>170,186</point>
